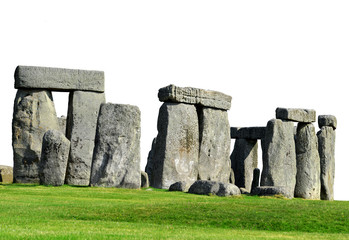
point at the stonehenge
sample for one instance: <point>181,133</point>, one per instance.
<point>98,143</point>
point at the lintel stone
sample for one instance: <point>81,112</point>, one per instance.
<point>58,79</point>
<point>195,96</point>
<point>328,121</point>
<point>252,133</point>
<point>296,114</point>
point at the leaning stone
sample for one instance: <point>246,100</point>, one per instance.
<point>252,133</point>
<point>54,158</point>
<point>62,122</point>
<point>272,191</point>
<point>82,117</point>
<point>180,186</point>
<point>177,145</point>
<point>195,96</point>
<point>256,176</point>
<point>296,114</point>
<point>34,113</point>
<point>116,160</point>
<point>308,163</point>
<point>150,161</point>
<point>6,174</point>
<point>58,79</point>
<point>214,161</point>
<point>279,155</point>
<point>327,139</point>
<point>327,120</point>
<point>144,180</point>
<point>244,160</point>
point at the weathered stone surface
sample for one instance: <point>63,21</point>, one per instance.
<point>33,114</point>
<point>82,117</point>
<point>244,160</point>
<point>195,96</point>
<point>59,79</point>
<point>144,180</point>
<point>279,155</point>
<point>244,191</point>
<point>180,186</point>
<point>206,187</point>
<point>150,161</point>
<point>308,163</point>
<point>54,158</point>
<point>6,174</point>
<point>214,161</point>
<point>62,122</point>
<point>272,190</point>
<point>256,176</point>
<point>296,114</point>
<point>247,132</point>
<point>116,159</point>
<point>327,120</point>
<point>177,145</point>
<point>327,139</point>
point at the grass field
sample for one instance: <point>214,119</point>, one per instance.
<point>39,212</point>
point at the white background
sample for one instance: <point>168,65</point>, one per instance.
<point>265,54</point>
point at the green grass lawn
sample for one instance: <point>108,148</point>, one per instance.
<point>39,212</point>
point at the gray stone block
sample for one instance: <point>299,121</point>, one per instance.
<point>206,187</point>
<point>296,114</point>
<point>58,79</point>
<point>177,145</point>
<point>244,160</point>
<point>308,163</point>
<point>327,140</point>
<point>116,160</point>
<point>54,158</point>
<point>82,117</point>
<point>195,96</point>
<point>214,161</point>
<point>180,186</point>
<point>252,133</point>
<point>256,176</point>
<point>34,113</point>
<point>279,155</point>
<point>6,174</point>
<point>327,120</point>
<point>272,191</point>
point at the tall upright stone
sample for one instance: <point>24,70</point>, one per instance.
<point>116,159</point>
<point>327,139</point>
<point>176,151</point>
<point>33,114</point>
<point>244,160</point>
<point>279,155</point>
<point>214,161</point>
<point>308,162</point>
<point>82,117</point>
<point>54,158</point>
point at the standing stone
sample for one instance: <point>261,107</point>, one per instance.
<point>6,174</point>
<point>244,160</point>
<point>82,117</point>
<point>308,163</point>
<point>54,158</point>
<point>150,161</point>
<point>144,180</point>
<point>33,114</point>
<point>214,161</point>
<point>62,122</point>
<point>256,176</point>
<point>279,155</point>
<point>327,120</point>
<point>116,160</point>
<point>327,139</point>
<point>177,145</point>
